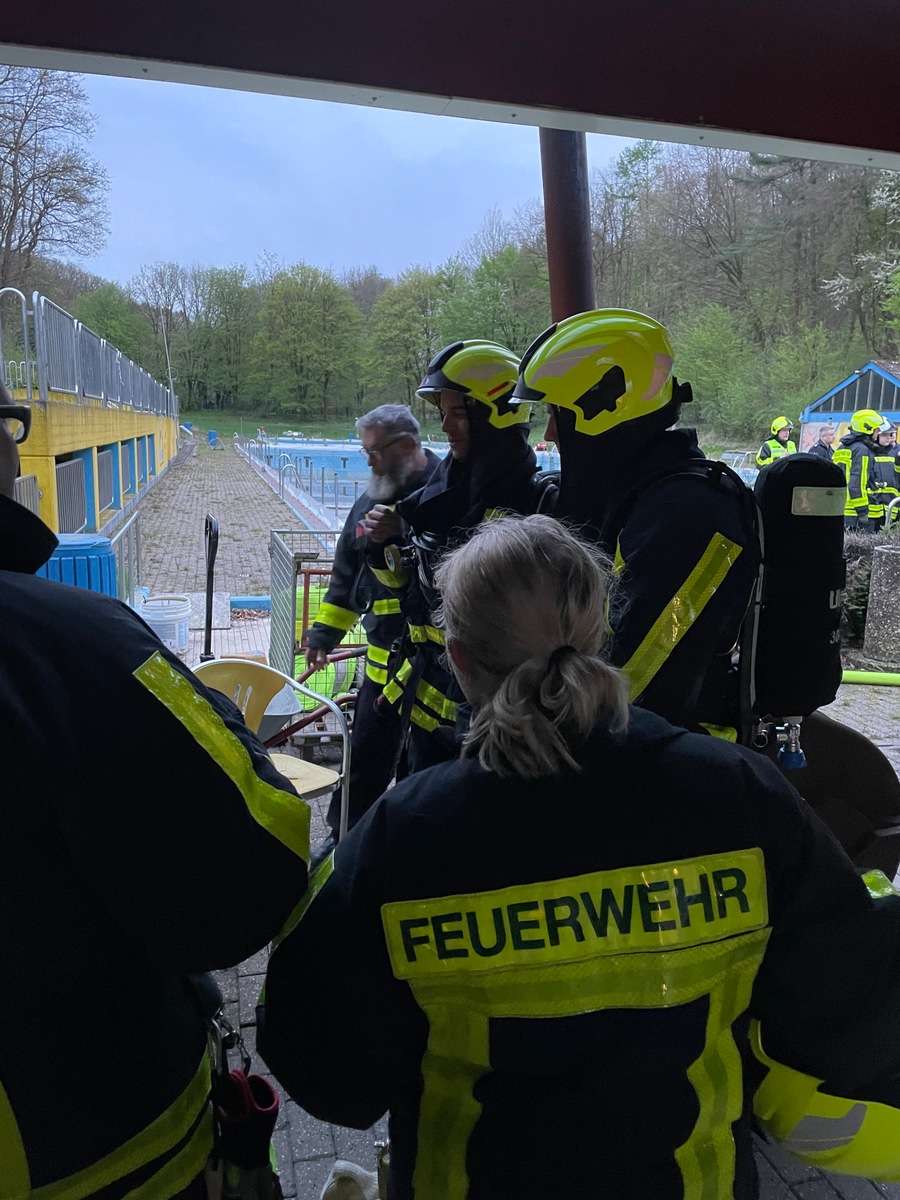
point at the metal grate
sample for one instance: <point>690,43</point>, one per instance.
<point>126,544</point>
<point>105,485</point>
<point>289,551</point>
<point>70,496</point>
<point>28,494</point>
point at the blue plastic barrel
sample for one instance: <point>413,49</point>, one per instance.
<point>84,560</point>
<point>212,437</point>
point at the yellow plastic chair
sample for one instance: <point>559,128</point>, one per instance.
<point>252,686</point>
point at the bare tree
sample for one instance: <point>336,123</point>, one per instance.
<point>52,193</point>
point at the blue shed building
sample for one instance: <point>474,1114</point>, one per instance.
<point>876,385</point>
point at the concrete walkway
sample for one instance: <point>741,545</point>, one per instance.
<point>172,519</point>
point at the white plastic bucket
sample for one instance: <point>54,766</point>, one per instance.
<point>170,619</point>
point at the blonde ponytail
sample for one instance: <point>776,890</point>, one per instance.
<point>527,600</point>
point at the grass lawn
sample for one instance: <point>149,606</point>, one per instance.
<point>226,424</point>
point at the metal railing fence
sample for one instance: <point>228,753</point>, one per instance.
<point>28,494</point>
<point>71,497</point>
<point>69,357</point>
<point>126,545</point>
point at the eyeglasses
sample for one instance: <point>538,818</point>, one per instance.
<point>378,451</point>
<point>17,419</point>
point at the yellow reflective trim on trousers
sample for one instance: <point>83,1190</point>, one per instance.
<point>378,654</point>
<point>426,633</point>
<point>376,674</point>
<point>283,814</point>
<point>436,701</point>
<point>459,1010</point>
<point>381,608</point>
<point>159,1136</point>
<point>632,910</point>
<point>680,613</point>
<point>456,1057</point>
<point>336,617</point>
<point>15,1178</point>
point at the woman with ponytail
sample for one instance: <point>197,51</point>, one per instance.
<point>564,962</point>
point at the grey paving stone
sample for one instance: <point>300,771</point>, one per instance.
<point>309,1138</point>
<point>849,1188</point>
<point>310,1176</point>
<point>282,1143</point>
<point>228,983</point>
<point>790,1169</point>
<point>771,1185</point>
<point>249,987</point>
<point>355,1145</point>
<point>817,1189</point>
<point>256,965</point>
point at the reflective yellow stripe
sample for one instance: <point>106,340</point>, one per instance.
<point>459,1005</point>
<point>419,717</point>
<point>15,1178</point>
<point>618,561</point>
<point>283,814</point>
<point>378,655</point>
<point>727,733</point>
<point>456,1057</point>
<point>316,881</point>
<point>381,608</point>
<point>182,1168</point>
<point>426,633</point>
<point>706,1159</point>
<point>336,617</point>
<point>680,613</point>
<point>436,701</point>
<point>159,1136</point>
<point>632,910</point>
<point>394,689</point>
<point>376,674</point>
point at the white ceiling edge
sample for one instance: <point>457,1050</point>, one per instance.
<point>340,93</point>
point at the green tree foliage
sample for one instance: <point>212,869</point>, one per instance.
<point>776,277</point>
<point>405,334</point>
<point>505,299</point>
<point>307,342</point>
<point>112,314</point>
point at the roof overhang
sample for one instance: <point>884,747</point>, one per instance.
<point>761,75</point>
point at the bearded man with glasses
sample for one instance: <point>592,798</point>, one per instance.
<point>398,466</point>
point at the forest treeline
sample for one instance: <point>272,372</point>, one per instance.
<point>776,278</point>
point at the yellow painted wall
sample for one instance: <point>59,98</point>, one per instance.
<point>60,426</point>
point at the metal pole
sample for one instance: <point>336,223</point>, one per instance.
<point>335,498</point>
<point>567,218</point>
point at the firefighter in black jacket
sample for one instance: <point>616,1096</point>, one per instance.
<point>146,835</point>
<point>856,454</point>
<point>399,465</point>
<point>679,529</point>
<point>490,468</point>
<point>567,937</point>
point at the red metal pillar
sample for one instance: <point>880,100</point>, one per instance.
<point>567,218</point>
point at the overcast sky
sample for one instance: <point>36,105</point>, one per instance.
<point>217,177</point>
